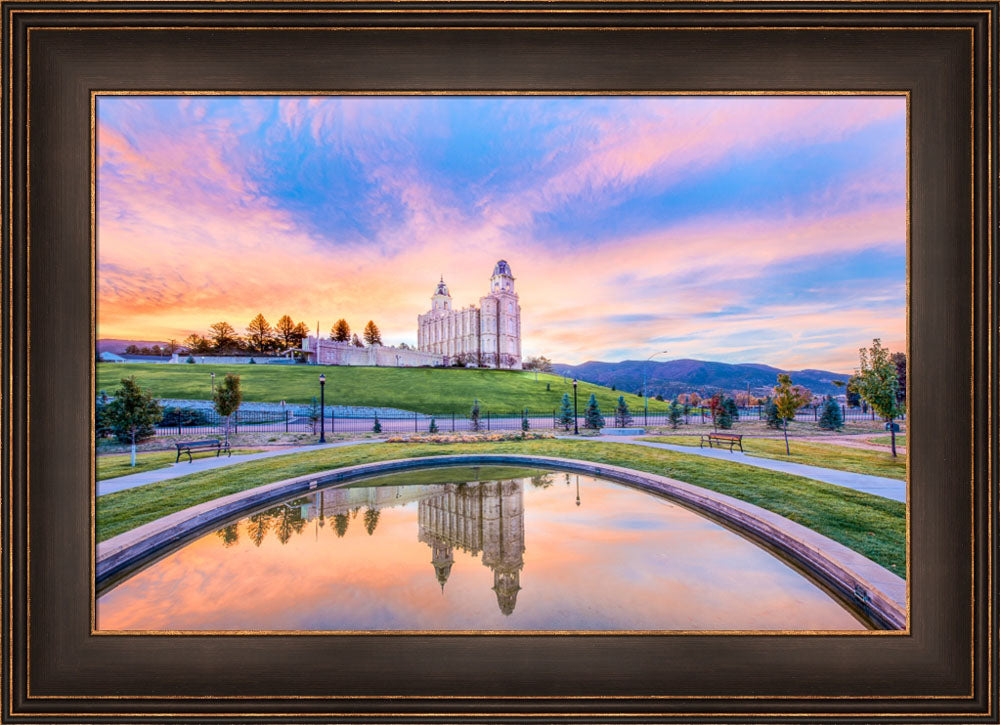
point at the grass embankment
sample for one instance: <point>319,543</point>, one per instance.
<point>120,465</point>
<point>811,453</point>
<point>871,525</point>
<point>427,390</point>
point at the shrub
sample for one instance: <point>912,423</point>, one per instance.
<point>377,428</point>
<point>675,413</point>
<point>178,417</point>
<point>190,360</point>
<point>433,426</point>
<point>525,423</point>
<point>474,416</point>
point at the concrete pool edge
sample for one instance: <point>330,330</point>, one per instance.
<point>871,588</point>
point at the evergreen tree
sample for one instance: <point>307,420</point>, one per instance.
<point>227,399</point>
<point>474,416</point>
<point>377,428</point>
<point>686,410</point>
<point>659,396</point>
<point>133,413</point>
<point>832,419</point>
<point>724,418</point>
<point>730,405</point>
<point>371,520</point>
<point>771,414</point>
<point>525,423</point>
<point>372,334</point>
<point>566,412</point>
<point>592,417</point>
<point>433,428</point>
<point>314,414</point>
<point>674,414</point>
<point>548,387</point>
<point>341,331</point>
<point>286,329</point>
<point>356,341</point>
<point>190,360</point>
<point>102,419</point>
<point>259,332</point>
<point>623,417</point>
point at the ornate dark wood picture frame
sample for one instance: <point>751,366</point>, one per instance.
<point>57,54</point>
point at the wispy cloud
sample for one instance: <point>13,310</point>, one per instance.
<point>715,223</point>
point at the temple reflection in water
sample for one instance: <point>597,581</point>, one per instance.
<point>480,517</point>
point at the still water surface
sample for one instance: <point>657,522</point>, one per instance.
<point>472,549</point>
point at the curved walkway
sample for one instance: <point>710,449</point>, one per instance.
<point>176,470</point>
<point>890,488</point>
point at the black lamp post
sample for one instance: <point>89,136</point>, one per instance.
<point>576,428</point>
<point>322,408</point>
<point>213,385</point>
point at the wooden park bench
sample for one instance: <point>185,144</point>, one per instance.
<point>722,439</point>
<point>189,446</point>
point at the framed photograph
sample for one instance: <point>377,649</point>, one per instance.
<point>507,362</point>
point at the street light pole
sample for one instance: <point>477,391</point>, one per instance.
<point>576,428</point>
<point>322,408</point>
<point>213,385</point>
<point>645,397</point>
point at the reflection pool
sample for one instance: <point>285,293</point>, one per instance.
<point>484,548</point>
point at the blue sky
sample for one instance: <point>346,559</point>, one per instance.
<point>742,229</point>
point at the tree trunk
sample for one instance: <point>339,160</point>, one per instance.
<point>227,430</point>
<point>892,433</point>
<point>133,449</point>
<point>787,452</point>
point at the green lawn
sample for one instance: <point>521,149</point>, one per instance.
<point>120,465</point>
<point>871,525</point>
<point>428,390</point>
<point>887,440</point>
<point>813,453</point>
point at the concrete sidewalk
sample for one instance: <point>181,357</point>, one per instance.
<point>176,470</point>
<point>890,488</point>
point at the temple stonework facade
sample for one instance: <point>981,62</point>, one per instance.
<point>485,336</point>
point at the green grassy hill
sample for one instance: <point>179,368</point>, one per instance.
<point>428,390</point>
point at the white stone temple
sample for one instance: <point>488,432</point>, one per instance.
<point>485,336</point>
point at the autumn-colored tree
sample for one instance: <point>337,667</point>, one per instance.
<point>300,333</point>
<point>372,334</point>
<point>260,332</point>
<point>878,385</point>
<point>371,520</point>
<point>223,336</point>
<point>788,399</point>
<point>286,332</point>
<point>341,331</point>
<point>197,344</point>
<point>356,341</point>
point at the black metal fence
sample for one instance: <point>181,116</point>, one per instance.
<point>209,423</point>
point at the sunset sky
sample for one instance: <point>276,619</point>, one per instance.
<point>739,229</point>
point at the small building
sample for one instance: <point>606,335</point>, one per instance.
<point>113,357</point>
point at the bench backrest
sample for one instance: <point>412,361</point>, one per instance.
<point>186,444</point>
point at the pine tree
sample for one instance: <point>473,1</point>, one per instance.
<point>286,328</point>
<point>133,413</point>
<point>433,428</point>
<point>730,405</point>
<point>593,418</point>
<point>686,410</point>
<point>623,417</point>
<point>260,333</point>
<point>525,423</point>
<point>474,416</point>
<point>372,334</point>
<point>566,412</point>
<point>771,414</point>
<point>724,418</point>
<point>227,399</point>
<point>377,428</point>
<point>314,414</point>
<point>341,331</point>
<point>674,414</point>
<point>371,520</point>
<point>832,419</point>
<point>548,387</point>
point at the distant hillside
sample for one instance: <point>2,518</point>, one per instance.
<point>118,346</point>
<point>672,377</point>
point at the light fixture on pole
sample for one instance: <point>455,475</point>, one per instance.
<point>322,408</point>
<point>576,428</point>
<point>213,384</point>
<point>645,398</point>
